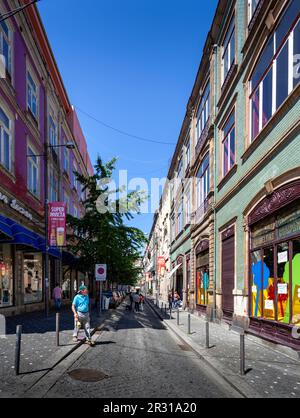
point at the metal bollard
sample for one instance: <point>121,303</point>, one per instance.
<point>189,323</point>
<point>207,334</point>
<point>57,328</point>
<point>161,308</point>
<point>171,313</point>
<point>242,354</point>
<point>18,349</point>
<point>178,317</point>
<point>165,310</point>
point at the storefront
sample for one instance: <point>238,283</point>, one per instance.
<point>22,264</point>
<point>202,275</point>
<point>274,254</point>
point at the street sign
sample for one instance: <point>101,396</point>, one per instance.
<point>100,272</point>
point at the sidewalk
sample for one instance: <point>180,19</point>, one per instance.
<point>39,352</point>
<point>271,372</point>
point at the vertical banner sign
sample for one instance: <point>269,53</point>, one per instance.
<point>100,272</point>
<point>161,264</point>
<point>57,224</point>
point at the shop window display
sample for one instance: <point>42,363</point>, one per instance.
<point>66,284</point>
<point>33,278</point>
<point>6,276</point>
<point>272,284</point>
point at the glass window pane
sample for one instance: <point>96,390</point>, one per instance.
<point>263,233</point>
<point>226,150</point>
<point>296,282</point>
<point>283,274</point>
<point>286,23</point>
<point>6,146</point>
<point>263,63</point>
<point>267,97</point>
<point>282,82</point>
<point>255,114</point>
<point>256,284</point>
<point>4,118</point>
<point>229,124</point>
<point>33,278</point>
<point>289,222</point>
<point>232,148</point>
<point>297,55</point>
<point>268,285</point>
<point>6,271</point>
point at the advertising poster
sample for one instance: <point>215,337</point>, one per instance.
<point>57,224</point>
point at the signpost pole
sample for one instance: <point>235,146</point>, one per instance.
<point>100,299</point>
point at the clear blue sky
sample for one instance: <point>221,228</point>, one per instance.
<point>131,64</point>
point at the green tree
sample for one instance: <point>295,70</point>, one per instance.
<point>101,235</point>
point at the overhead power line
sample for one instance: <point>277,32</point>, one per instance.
<point>139,138</point>
<point>10,14</point>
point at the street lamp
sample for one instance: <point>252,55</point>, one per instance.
<point>69,145</point>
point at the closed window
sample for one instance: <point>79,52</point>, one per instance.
<point>229,144</point>
<point>179,224</point>
<point>67,201</point>
<point>203,111</point>
<point>6,46</point>
<point>52,132</point>
<point>66,160</point>
<point>53,187</point>
<point>32,95</point>
<point>188,154</point>
<point>75,181</point>
<point>5,141</point>
<point>228,57</point>
<point>32,172</point>
<point>203,183</point>
<point>277,71</point>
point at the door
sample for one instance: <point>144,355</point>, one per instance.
<point>228,263</point>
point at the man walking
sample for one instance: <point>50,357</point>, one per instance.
<point>81,308</point>
<point>136,299</point>
<point>57,296</point>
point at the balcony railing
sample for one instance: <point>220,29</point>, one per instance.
<point>199,214</point>
<point>203,138</point>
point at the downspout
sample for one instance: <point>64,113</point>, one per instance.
<point>215,53</point>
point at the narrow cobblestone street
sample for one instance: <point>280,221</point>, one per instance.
<point>141,358</point>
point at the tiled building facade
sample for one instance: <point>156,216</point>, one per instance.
<point>242,239</point>
<point>34,111</point>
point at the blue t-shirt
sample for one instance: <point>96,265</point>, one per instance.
<point>81,303</point>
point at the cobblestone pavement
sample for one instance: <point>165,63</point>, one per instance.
<point>141,359</point>
<point>272,373</point>
<point>38,347</point>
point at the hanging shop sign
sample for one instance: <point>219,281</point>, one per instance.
<point>15,206</point>
<point>57,224</point>
<point>161,266</point>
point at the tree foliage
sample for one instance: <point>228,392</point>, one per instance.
<point>102,237</point>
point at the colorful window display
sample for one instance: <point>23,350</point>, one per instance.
<point>202,278</point>
<point>275,268</point>
<point>6,276</point>
<point>33,278</point>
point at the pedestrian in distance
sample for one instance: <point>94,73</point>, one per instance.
<point>81,311</point>
<point>136,300</point>
<point>170,300</point>
<point>142,301</point>
<point>57,296</point>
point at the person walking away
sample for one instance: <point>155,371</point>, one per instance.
<point>81,308</point>
<point>142,301</point>
<point>170,300</point>
<point>136,299</point>
<point>57,296</point>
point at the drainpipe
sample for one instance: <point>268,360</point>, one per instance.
<point>215,52</point>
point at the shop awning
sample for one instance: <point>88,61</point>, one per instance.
<point>18,234</point>
<point>169,276</point>
<point>5,228</point>
<point>68,258</point>
<point>23,236</point>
